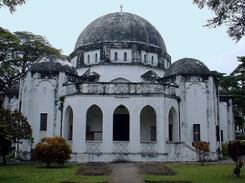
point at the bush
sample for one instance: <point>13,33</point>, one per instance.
<point>202,149</point>
<point>225,150</point>
<point>52,150</point>
<point>236,150</point>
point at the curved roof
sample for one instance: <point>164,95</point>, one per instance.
<point>53,64</point>
<point>120,27</point>
<point>187,66</point>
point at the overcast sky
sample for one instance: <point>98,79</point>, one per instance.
<point>179,21</point>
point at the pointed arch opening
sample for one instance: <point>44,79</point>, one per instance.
<point>173,131</point>
<point>68,127</point>
<point>148,124</point>
<point>121,130</point>
<point>94,124</point>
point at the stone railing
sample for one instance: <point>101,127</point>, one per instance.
<point>120,147</point>
<point>120,88</point>
<point>93,147</point>
<point>149,147</point>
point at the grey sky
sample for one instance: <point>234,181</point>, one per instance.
<point>179,22</point>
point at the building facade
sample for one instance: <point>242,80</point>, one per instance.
<point>120,97</point>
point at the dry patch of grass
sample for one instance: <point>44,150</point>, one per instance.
<point>94,169</point>
<point>155,169</point>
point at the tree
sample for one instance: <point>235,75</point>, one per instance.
<point>227,12</point>
<point>17,52</point>
<point>11,4</point>
<point>235,85</point>
<point>52,150</point>
<point>236,150</point>
<point>202,148</point>
<point>14,127</point>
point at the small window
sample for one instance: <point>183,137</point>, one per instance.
<point>43,121</point>
<point>152,60</point>
<point>96,57</point>
<point>115,56</point>
<point>145,58</point>
<point>88,59</point>
<point>125,56</point>
<point>217,133</point>
<point>196,132</point>
<point>222,135</point>
<point>170,132</point>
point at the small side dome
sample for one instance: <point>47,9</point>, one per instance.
<point>53,64</point>
<point>187,66</point>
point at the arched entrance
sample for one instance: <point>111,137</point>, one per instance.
<point>148,124</point>
<point>173,125</point>
<point>68,127</point>
<point>121,124</point>
<point>94,124</point>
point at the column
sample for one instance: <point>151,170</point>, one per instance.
<point>107,129</point>
<point>134,137</point>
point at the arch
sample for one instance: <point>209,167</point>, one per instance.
<point>120,80</point>
<point>94,123</point>
<point>148,124</point>
<point>96,57</point>
<point>88,59</point>
<point>121,122</point>
<point>173,125</point>
<point>125,56</point>
<point>68,127</point>
<point>115,56</point>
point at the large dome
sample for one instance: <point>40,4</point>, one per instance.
<point>121,27</point>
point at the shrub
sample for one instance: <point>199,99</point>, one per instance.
<point>52,150</point>
<point>236,150</point>
<point>202,148</point>
<point>225,150</point>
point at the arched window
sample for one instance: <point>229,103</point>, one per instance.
<point>152,60</point>
<point>125,57</point>
<point>148,124</point>
<point>94,124</point>
<point>145,58</point>
<point>96,57</point>
<point>121,124</point>
<point>68,127</point>
<point>173,125</point>
<point>115,56</point>
<point>88,59</point>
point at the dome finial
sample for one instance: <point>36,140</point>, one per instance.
<point>121,6</point>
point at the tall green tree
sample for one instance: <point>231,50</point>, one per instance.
<point>11,4</point>
<point>235,84</point>
<point>227,12</point>
<point>14,128</point>
<point>17,52</point>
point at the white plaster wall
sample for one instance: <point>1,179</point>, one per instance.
<point>120,54</point>
<point>130,72</point>
<point>223,118</point>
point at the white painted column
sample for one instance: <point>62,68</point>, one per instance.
<point>160,129</point>
<point>134,126</point>
<point>107,129</point>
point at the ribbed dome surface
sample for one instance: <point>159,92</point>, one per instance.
<point>120,27</point>
<point>187,66</point>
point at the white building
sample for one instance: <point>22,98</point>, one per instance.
<point>120,98</point>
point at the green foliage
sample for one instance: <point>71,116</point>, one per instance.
<point>14,127</point>
<point>52,150</point>
<point>11,4</point>
<point>236,150</point>
<point>226,12</point>
<point>17,52</point>
<point>225,150</point>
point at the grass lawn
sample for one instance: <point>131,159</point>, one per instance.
<point>201,174</point>
<point>37,174</point>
